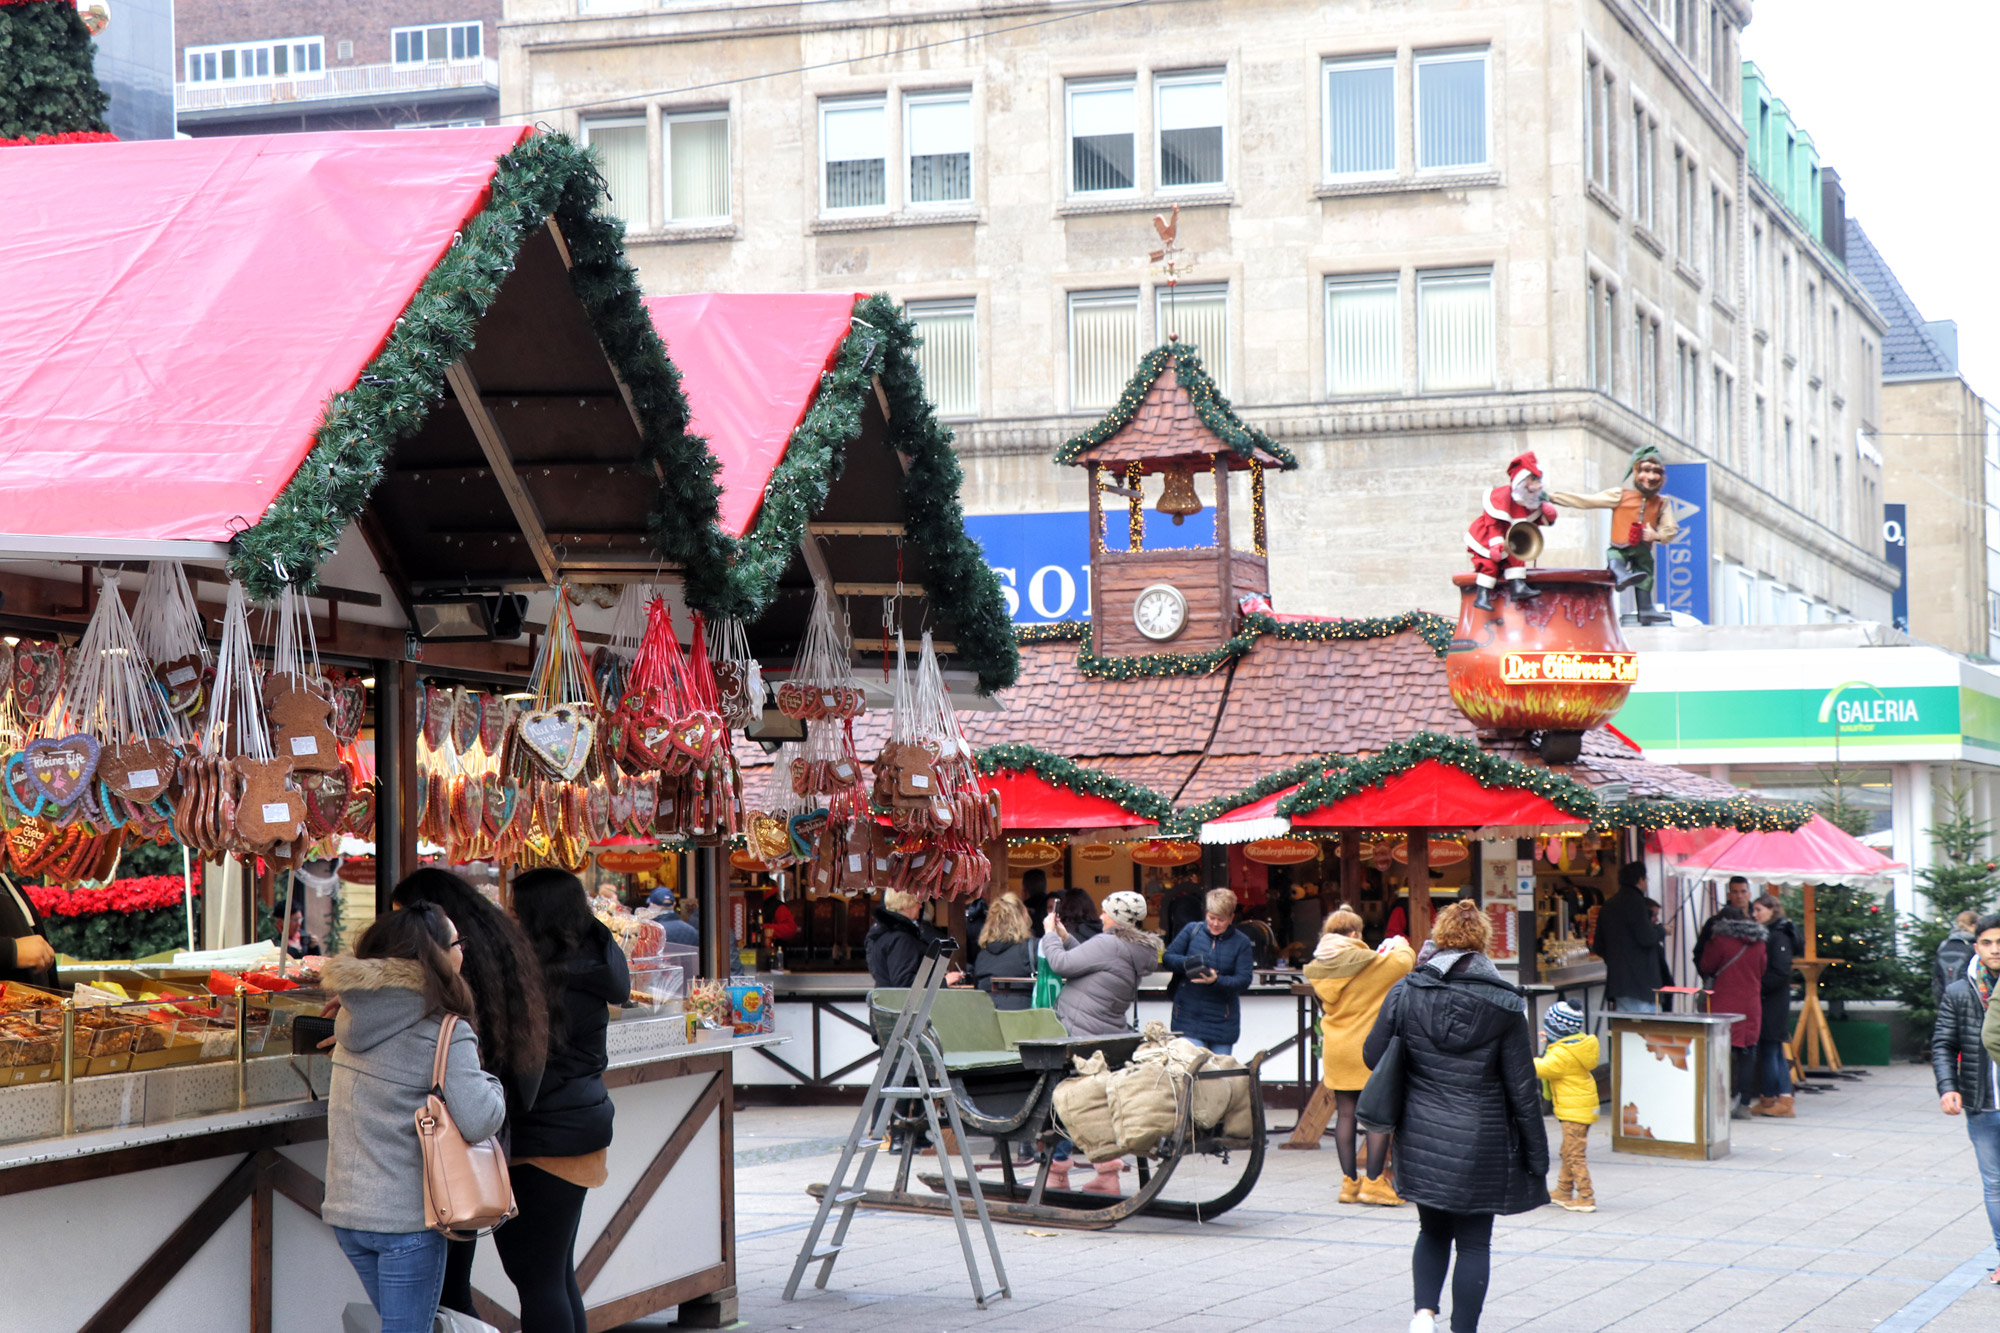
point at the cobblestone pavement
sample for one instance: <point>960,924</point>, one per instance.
<point>1864,1213</point>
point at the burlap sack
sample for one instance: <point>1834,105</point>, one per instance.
<point>1212,1095</point>
<point>1083,1110</point>
<point>1146,1099</point>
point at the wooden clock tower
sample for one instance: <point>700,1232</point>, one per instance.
<point>1171,421</point>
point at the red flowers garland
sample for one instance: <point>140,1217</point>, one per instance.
<point>143,894</point>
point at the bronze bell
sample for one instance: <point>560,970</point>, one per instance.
<point>1178,498</point>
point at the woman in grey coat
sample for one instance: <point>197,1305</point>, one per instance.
<point>392,994</point>
<point>1101,979</point>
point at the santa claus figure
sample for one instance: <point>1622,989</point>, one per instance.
<point>1519,501</point>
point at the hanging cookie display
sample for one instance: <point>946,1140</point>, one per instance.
<point>112,696</point>
<point>168,625</point>
<point>269,810</point>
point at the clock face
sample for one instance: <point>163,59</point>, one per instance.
<point>1160,611</point>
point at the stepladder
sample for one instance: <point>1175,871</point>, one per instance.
<point>911,1094</point>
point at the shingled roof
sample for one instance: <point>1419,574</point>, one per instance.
<point>1909,351</point>
<point>1169,410</point>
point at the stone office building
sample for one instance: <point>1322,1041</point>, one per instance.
<point>1414,240</point>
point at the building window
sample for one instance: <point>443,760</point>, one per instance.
<point>1754,262</point>
<point>1785,302</point>
<point>1599,131</point>
<point>1451,110</point>
<point>289,58</point>
<point>619,145</point>
<point>1455,330</point>
<point>1687,391</point>
<point>1719,234</point>
<point>1788,467</point>
<point>1813,497</point>
<point>1685,185</point>
<point>1188,114</point>
<point>853,137</point>
<point>1833,346</point>
<point>948,356</point>
<point>1812,329</point>
<point>1361,117</point>
<point>445,41</point>
<point>1200,315</point>
<point>1722,426</point>
<point>1364,347</point>
<point>938,128</point>
<point>1103,119</point>
<point>1600,335</point>
<point>1760,444</point>
<point>1646,364</point>
<point>1103,347</point>
<point>1645,180</point>
<point>697,166</point>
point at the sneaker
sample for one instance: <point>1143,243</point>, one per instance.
<point>1423,1321</point>
<point>1740,1112</point>
<point>1578,1205</point>
<point>1994,1277</point>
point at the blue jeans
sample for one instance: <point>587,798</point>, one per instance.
<point>403,1272</point>
<point>1628,1004</point>
<point>1774,1074</point>
<point>1983,1128</point>
<point>1219,1047</point>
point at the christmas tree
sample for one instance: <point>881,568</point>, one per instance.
<point>1855,927</point>
<point>47,86</point>
<point>1839,808</point>
<point>1960,878</point>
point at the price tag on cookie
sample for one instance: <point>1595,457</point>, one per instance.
<point>305,745</point>
<point>182,675</point>
<point>854,862</point>
<point>143,777</point>
<point>922,781</point>
<point>276,812</point>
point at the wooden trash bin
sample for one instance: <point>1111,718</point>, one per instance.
<point>1670,1084</point>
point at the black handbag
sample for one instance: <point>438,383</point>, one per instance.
<point>1379,1109</point>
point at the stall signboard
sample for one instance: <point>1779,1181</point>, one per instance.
<point>740,858</point>
<point>1043,560</point>
<point>1681,566</point>
<point>1444,852</point>
<point>1282,851</point>
<point>642,860</point>
<point>1162,852</point>
<point>1095,851</point>
<point>1030,855</point>
<point>1807,705</point>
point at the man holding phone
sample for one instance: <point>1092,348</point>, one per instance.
<point>1212,962</point>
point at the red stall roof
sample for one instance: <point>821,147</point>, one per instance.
<point>175,313</point>
<point>1431,794</point>
<point>750,364</point>
<point>1029,801</point>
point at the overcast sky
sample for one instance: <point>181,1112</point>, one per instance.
<point>1899,99</point>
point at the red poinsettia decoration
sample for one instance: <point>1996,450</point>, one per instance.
<point>142,894</point>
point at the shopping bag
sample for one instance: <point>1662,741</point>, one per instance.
<point>1047,985</point>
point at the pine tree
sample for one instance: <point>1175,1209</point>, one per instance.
<point>1960,878</point>
<point>1837,804</point>
<point>1856,927</point>
<point>47,84</point>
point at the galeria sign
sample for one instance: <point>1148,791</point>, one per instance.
<point>1569,668</point>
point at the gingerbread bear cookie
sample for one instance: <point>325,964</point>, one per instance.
<point>268,812</point>
<point>301,720</point>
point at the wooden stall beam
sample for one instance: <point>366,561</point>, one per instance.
<point>1419,845</point>
<point>493,444</point>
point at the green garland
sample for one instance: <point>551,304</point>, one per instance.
<point>1188,822</point>
<point>1435,630</point>
<point>546,175</point>
<point>1140,800</point>
<point>1745,814</point>
<point>47,84</point>
<point>1489,770</point>
<point>1056,631</point>
<point>1232,431</point>
<point>881,344</point>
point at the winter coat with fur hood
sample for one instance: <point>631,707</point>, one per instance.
<point>1101,978</point>
<point>1734,964</point>
<point>384,1044</point>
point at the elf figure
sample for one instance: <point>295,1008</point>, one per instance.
<point>1519,501</point>
<point>1640,516</point>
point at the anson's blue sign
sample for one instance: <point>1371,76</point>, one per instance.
<point>1681,566</point>
<point>1043,560</point>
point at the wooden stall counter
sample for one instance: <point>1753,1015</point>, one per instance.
<point>163,1221</point>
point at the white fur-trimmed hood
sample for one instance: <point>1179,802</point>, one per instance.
<point>346,973</point>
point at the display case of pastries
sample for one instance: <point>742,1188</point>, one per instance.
<point>657,989</point>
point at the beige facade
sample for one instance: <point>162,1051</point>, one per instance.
<point>1936,433</point>
<point>1405,221</point>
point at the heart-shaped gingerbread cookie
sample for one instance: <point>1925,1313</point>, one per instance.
<point>560,738</point>
<point>37,676</point>
<point>61,770</point>
<point>141,771</point>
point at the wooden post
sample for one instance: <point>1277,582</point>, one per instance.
<point>1222,541</point>
<point>1096,545</point>
<point>1812,1038</point>
<point>1419,845</point>
<point>1350,869</point>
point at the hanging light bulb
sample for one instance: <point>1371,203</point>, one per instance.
<point>1179,499</point>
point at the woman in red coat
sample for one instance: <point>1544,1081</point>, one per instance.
<point>1735,959</point>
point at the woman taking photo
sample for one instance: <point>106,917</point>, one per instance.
<point>559,1144</point>
<point>1351,980</point>
<point>1470,1144</point>
<point>505,979</point>
<point>394,991</point>
<point>1101,977</point>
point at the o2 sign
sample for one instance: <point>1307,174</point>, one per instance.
<point>1043,560</point>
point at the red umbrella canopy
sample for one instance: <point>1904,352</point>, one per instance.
<point>1817,852</point>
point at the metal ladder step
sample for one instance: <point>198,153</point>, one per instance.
<point>822,1251</point>
<point>849,1196</point>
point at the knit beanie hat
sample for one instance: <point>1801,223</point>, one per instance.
<point>1127,906</point>
<point>1562,1020</point>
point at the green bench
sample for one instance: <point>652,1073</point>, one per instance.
<point>970,1032</point>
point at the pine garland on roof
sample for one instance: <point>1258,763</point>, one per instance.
<point>1140,800</point>
<point>47,84</point>
<point>546,175</point>
<point>1489,770</point>
<point>1435,630</point>
<point>1189,821</point>
<point>1746,814</point>
<point>1235,434</point>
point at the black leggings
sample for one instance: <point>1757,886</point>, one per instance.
<point>458,1276</point>
<point>1472,1233</point>
<point>538,1250</point>
<point>1743,1069</point>
<point>1346,1130</point>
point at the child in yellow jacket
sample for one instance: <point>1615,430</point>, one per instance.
<point>1569,1058</point>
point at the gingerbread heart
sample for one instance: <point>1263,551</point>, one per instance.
<point>141,771</point>
<point>359,821</point>
<point>350,706</point>
<point>434,712</point>
<point>493,712</point>
<point>26,799</point>
<point>465,717</point>
<point>597,813</point>
<point>694,736</point>
<point>37,676</point>
<point>61,770</point>
<point>499,801</point>
<point>560,738</point>
<point>184,681</point>
<point>327,795</point>
<point>6,662</point>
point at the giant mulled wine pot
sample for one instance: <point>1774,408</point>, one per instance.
<point>1556,665</point>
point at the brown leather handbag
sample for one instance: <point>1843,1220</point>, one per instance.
<point>467,1192</point>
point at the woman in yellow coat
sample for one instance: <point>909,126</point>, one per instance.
<point>1352,981</point>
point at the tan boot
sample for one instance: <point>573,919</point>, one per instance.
<point>1763,1106</point>
<point>1350,1189</point>
<point>1378,1190</point>
<point>1780,1109</point>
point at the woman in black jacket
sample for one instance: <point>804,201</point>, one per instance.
<point>897,941</point>
<point>560,1143</point>
<point>1470,1143</point>
<point>1774,1074</point>
<point>1005,954</point>
<point>508,1012</point>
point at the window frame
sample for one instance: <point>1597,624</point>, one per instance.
<point>1600,327</point>
<point>193,55</point>
<point>858,102</point>
<point>1183,78</point>
<point>937,97</point>
<point>1161,294</point>
<point>1071,87</point>
<point>1101,297</point>
<point>1645,167</point>
<point>622,120</point>
<point>668,119</point>
<point>1426,276</point>
<point>915,311</point>
<point>1392,281</point>
<point>459,25</point>
<point>1328,65</point>
<point>1600,125</point>
<point>1419,60</point>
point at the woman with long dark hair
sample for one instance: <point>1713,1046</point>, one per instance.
<point>500,969</point>
<point>394,991</point>
<point>560,1143</point>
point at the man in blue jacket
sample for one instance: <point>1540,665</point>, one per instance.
<point>1211,963</point>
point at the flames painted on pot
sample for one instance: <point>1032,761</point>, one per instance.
<point>1558,663</point>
